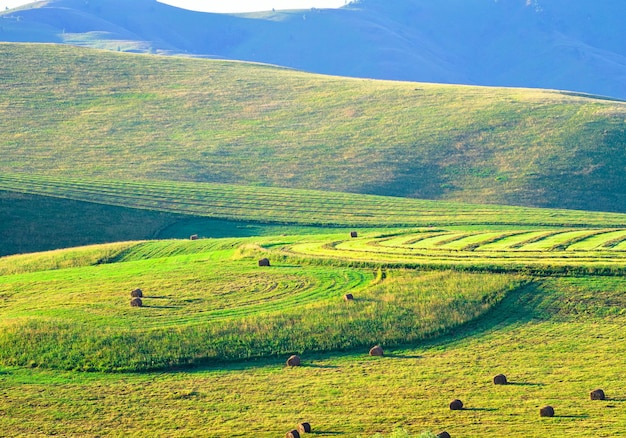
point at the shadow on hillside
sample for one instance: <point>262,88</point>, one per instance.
<point>526,384</point>
<point>161,307</point>
<point>572,416</point>
<point>520,306</point>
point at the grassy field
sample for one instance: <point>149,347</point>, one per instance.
<point>205,301</point>
<point>92,152</point>
<point>73,112</point>
<point>555,340</point>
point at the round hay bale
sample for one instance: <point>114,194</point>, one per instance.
<point>597,394</point>
<point>136,293</point>
<point>264,262</point>
<point>456,405</point>
<point>136,302</point>
<point>304,428</point>
<point>293,434</point>
<point>500,379</point>
<point>354,234</point>
<point>443,434</point>
<point>546,411</point>
<point>376,350</point>
<point>293,361</point>
<point>348,297</point>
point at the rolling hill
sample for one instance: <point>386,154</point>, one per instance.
<point>557,44</point>
<point>71,112</point>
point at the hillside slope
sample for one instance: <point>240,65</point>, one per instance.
<point>84,113</point>
<point>563,44</point>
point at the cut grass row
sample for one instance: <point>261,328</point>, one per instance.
<point>262,204</point>
<point>463,251</point>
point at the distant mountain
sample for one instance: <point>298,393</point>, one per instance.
<point>575,45</point>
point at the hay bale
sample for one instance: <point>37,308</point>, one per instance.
<point>136,293</point>
<point>293,434</point>
<point>456,405</point>
<point>546,411</point>
<point>348,297</point>
<point>193,237</point>
<point>136,302</point>
<point>354,234</point>
<point>443,434</point>
<point>304,428</point>
<point>376,350</point>
<point>597,394</point>
<point>293,361</point>
<point>264,262</point>
<point>500,379</point>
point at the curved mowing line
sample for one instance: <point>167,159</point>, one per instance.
<point>367,250</point>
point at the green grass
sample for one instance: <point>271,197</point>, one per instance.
<point>82,113</point>
<point>539,252</point>
<point>292,206</point>
<point>555,342</point>
<point>204,303</point>
<point>455,292</point>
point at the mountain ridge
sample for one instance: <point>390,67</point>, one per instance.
<point>558,45</point>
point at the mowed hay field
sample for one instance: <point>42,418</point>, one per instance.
<point>126,149</point>
<point>209,305</point>
<point>83,113</point>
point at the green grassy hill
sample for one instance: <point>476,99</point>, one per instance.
<point>82,113</point>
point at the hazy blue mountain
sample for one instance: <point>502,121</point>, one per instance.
<point>577,45</point>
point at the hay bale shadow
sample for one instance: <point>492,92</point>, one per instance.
<point>162,307</point>
<point>581,416</point>
<point>526,384</point>
<point>312,365</point>
<point>404,356</point>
